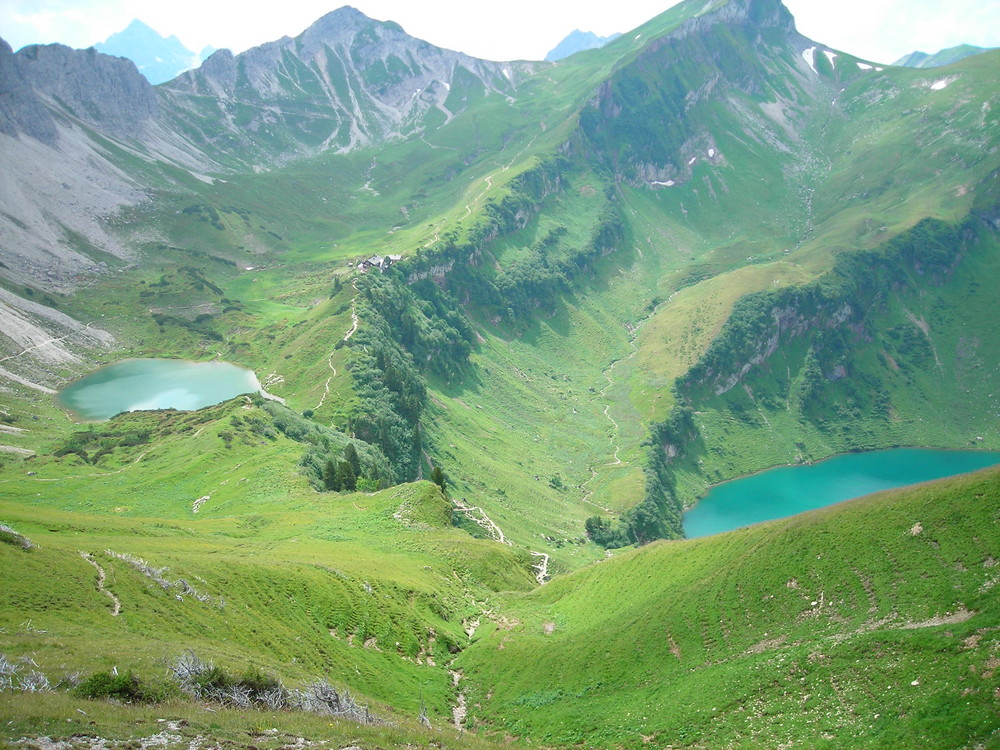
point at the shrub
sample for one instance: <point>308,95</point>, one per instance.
<point>320,697</point>
<point>125,688</point>
<point>258,689</point>
<point>209,682</point>
<point>14,678</point>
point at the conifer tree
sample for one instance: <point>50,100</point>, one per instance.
<point>347,478</point>
<point>331,477</point>
<point>438,477</point>
<point>351,456</point>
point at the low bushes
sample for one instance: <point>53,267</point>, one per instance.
<point>124,688</point>
<point>254,688</point>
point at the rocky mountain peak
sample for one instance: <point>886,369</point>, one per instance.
<point>21,111</point>
<point>345,82</point>
<point>336,22</point>
<point>107,92</point>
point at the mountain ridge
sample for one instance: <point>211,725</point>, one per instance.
<point>709,247</point>
<point>365,87</point>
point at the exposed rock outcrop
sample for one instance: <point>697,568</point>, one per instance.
<point>21,109</point>
<point>106,92</point>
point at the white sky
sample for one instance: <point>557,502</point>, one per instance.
<point>880,30</point>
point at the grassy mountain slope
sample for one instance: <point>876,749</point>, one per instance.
<point>370,589</point>
<point>904,361</point>
<point>871,622</point>
<point>712,241</point>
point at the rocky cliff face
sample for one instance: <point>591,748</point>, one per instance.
<point>106,92</point>
<point>346,82</point>
<point>58,184</point>
<point>21,109</point>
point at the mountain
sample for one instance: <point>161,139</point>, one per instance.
<point>158,58</point>
<point>710,247</point>
<point>345,83</point>
<point>939,59</point>
<point>577,41</point>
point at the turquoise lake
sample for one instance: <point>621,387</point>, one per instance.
<point>788,490</point>
<point>135,384</point>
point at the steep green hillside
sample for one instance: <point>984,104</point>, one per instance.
<point>886,349</point>
<point>710,247</point>
<point>238,559</point>
<point>872,623</point>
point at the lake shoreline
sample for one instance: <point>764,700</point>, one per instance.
<point>154,384</point>
<point>748,499</point>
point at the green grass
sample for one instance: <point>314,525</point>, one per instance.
<point>815,631</point>
<point>546,425</point>
<point>299,581</point>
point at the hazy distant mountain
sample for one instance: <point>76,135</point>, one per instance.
<point>939,59</point>
<point>158,58</point>
<point>578,41</point>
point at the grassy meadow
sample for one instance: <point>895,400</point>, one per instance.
<point>543,243</point>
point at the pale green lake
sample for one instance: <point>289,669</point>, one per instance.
<point>788,490</point>
<point>137,384</point>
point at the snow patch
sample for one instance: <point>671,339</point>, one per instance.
<point>864,66</point>
<point>638,35</point>
<point>506,73</point>
<point>943,83</point>
<point>447,86</point>
<point>879,70</point>
<point>711,153</point>
<point>831,56</point>
<point>668,183</point>
<point>692,160</point>
<point>809,55</point>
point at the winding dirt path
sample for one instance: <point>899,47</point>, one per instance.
<point>36,346</point>
<point>616,459</point>
<point>355,322</point>
<point>326,386</point>
<point>50,341</point>
<point>116,602</point>
<point>489,184</point>
<point>478,515</point>
<point>354,319</point>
